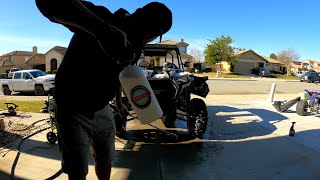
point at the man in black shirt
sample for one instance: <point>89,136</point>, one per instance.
<point>87,79</point>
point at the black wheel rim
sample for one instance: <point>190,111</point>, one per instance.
<point>51,137</point>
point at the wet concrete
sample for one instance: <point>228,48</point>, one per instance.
<point>246,139</point>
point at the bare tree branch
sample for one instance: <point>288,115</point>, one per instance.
<point>197,54</point>
<point>287,57</point>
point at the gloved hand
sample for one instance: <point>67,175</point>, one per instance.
<point>115,44</point>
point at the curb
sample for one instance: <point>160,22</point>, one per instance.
<point>253,79</point>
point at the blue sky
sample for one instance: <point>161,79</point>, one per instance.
<point>268,26</point>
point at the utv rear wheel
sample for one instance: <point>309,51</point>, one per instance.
<point>302,107</point>
<point>6,90</point>
<point>39,91</point>
<point>197,118</point>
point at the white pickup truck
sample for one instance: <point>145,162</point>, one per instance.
<point>28,81</point>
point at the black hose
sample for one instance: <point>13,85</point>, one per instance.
<point>31,125</point>
<point>18,155</point>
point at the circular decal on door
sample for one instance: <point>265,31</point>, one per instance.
<point>140,97</point>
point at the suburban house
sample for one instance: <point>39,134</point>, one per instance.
<point>53,58</point>
<point>182,49</point>
<point>275,66</point>
<point>244,62</point>
<point>310,65</point>
<point>37,61</point>
<point>48,62</point>
<point>17,59</point>
<point>296,66</point>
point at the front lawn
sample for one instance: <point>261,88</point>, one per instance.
<point>279,76</point>
<point>222,75</point>
<point>25,106</point>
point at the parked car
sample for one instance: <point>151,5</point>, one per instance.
<point>28,81</point>
<point>310,77</point>
<point>261,71</point>
<point>298,73</point>
<point>13,70</point>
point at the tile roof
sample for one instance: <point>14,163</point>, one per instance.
<point>271,60</point>
<point>172,42</point>
<point>35,55</point>
<point>60,49</point>
<point>310,60</point>
<point>297,62</point>
<point>21,53</point>
<point>241,52</point>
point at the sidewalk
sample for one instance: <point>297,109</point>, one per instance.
<point>246,139</point>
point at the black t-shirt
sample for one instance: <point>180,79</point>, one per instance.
<point>87,79</point>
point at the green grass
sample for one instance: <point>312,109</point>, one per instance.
<point>232,75</point>
<point>279,76</point>
<point>222,75</point>
<point>25,106</point>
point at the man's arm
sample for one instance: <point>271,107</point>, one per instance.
<point>121,108</point>
<point>77,14</point>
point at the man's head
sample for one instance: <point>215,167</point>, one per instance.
<point>152,20</point>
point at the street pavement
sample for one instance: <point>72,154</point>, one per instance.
<point>257,86</point>
<point>246,139</point>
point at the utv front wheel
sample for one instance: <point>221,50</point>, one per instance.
<point>197,118</point>
<point>302,107</point>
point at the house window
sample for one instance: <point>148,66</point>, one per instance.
<point>183,49</point>
<point>26,58</point>
<point>11,58</point>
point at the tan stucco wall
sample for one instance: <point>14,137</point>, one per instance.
<point>18,61</point>
<point>225,66</point>
<point>53,55</point>
<point>36,60</point>
<point>3,69</point>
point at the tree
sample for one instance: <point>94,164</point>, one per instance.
<point>287,57</point>
<point>219,49</point>
<point>197,54</point>
<point>273,56</point>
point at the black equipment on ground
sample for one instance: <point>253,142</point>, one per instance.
<point>11,109</point>
<point>282,106</point>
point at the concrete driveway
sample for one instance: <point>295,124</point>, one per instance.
<point>246,139</point>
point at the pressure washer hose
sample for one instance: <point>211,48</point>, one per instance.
<point>18,153</point>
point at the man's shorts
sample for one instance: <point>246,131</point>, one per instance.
<point>78,131</point>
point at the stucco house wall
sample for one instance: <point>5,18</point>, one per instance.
<point>51,56</point>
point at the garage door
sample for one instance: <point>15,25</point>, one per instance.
<point>244,67</point>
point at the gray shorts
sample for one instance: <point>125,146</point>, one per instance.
<point>78,131</point>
